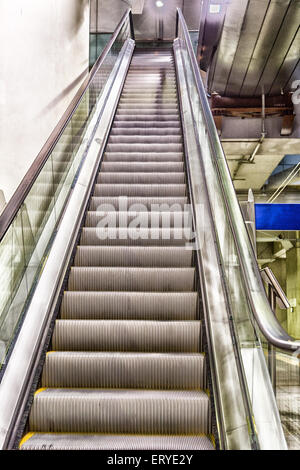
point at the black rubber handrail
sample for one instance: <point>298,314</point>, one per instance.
<point>14,204</point>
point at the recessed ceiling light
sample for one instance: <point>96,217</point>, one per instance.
<point>214,8</point>
<point>159,3</point>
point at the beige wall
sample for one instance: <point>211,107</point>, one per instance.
<point>44,59</point>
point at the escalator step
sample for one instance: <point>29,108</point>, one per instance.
<point>129,116</point>
<point>125,124</point>
<point>132,279</point>
<point>130,335</point>
<point>139,204</point>
<point>138,256</point>
<point>146,219</point>
<point>144,131</point>
<point>146,190</point>
<point>135,237</point>
<point>161,306</point>
<point>141,178</point>
<point>119,155</point>
<point>52,441</point>
<point>146,106</point>
<point>140,167</point>
<point>120,411</point>
<point>123,370</point>
<point>153,148</point>
<point>145,139</point>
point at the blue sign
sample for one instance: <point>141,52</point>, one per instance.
<point>277,216</point>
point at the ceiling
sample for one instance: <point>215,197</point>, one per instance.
<point>254,174</point>
<point>251,44</point>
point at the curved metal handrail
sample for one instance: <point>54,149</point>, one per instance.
<point>267,322</point>
<point>30,177</point>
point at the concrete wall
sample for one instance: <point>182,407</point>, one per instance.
<point>44,59</point>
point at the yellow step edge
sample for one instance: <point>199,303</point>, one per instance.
<point>30,434</point>
<point>39,390</point>
<point>212,438</point>
<point>26,438</point>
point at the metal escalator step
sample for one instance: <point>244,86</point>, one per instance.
<point>52,441</point>
<point>123,370</point>
<point>117,155</point>
<point>127,335</point>
<point>149,94</point>
<point>131,124</point>
<point>112,236</point>
<point>149,83</point>
<point>130,116</point>
<point>149,66</point>
<point>145,219</point>
<point>147,117</point>
<point>151,80</point>
<point>142,167</point>
<point>145,149</point>
<point>152,113</point>
<point>140,78</point>
<point>150,69</point>
<point>161,102</point>
<point>139,256</point>
<point>161,306</point>
<point>145,131</point>
<point>138,204</point>
<point>112,411</point>
<point>158,96</point>
<point>146,190</point>
<point>141,178</point>
<point>154,97</point>
<point>145,139</point>
<point>131,279</point>
<point>149,88</point>
<point>152,106</point>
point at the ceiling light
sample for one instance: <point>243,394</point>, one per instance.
<point>213,8</point>
<point>159,4</point>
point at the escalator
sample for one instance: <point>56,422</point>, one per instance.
<point>132,311</point>
<point>125,369</point>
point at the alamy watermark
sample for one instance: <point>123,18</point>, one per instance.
<point>123,221</point>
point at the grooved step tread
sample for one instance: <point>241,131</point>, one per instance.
<point>52,441</point>
<point>138,256</point>
<point>131,279</point>
<point>127,336</point>
<point>162,306</point>
<point>123,370</point>
<point>111,411</point>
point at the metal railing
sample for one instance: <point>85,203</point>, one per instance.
<point>284,366</point>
